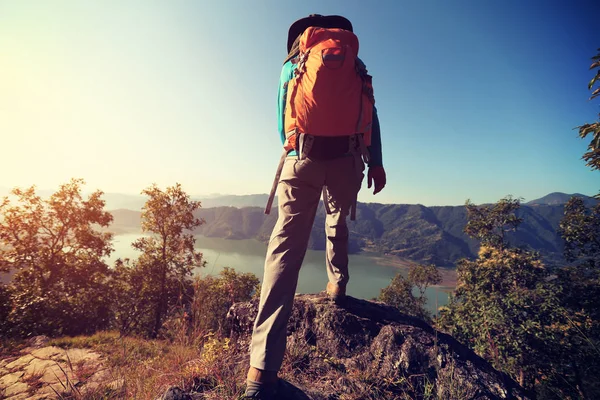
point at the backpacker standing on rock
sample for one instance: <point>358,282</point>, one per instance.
<point>329,129</point>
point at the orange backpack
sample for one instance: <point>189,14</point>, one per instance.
<point>331,93</point>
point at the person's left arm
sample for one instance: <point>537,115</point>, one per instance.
<point>376,173</point>
<point>287,73</point>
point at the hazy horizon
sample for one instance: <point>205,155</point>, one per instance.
<point>86,190</point>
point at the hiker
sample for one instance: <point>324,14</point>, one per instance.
<point>329,128</point>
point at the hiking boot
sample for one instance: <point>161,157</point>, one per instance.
<point>262,393</point>
<point>261,385</point>
<point>336,293</point>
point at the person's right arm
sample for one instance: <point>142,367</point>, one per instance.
<point>375,147</point>
<point>376,175</point>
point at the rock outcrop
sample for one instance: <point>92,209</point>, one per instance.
<point>43,372</point>
<point>402,353</point>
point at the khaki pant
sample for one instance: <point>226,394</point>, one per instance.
<point>298,194</point>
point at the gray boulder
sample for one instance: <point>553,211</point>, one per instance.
<point>370,336</point>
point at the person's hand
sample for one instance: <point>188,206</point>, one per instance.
<point>377,175</point>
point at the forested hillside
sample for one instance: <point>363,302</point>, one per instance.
<point>416,232</point>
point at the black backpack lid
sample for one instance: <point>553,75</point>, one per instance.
<point>322,21</point>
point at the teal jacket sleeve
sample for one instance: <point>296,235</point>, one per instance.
<point>287,73</point>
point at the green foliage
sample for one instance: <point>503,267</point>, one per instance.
<point>575,326</point>
<point>580,230</point>
<point>133,298</point>
<point>499,308</point>
<point>422,276</point>
<point>502,302</point>
<point>541,326</point>
<point>592,156</point>
<point>5,307</point>
<point>213,296</point>
<point>578,316</point>
<point>160,279</point>
<point>399,293</point>
<point>489,224</point>
<point>57,252</point>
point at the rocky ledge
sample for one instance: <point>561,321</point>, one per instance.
<point>402,353</point>
<point>44,372</point>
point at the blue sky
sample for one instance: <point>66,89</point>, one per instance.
<point>477,99</point>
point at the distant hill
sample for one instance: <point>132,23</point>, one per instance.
<point>115,201</point>
<point>435,234</point>
<point>416,232</point>
<point>557,198</point>
<point>125,221</point>
<point>250,200</point>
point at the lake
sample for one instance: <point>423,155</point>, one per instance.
<point>369,273</point>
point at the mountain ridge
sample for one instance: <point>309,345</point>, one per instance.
<point>557,198</point>
<point>408,231</point>
<point>115,201</point>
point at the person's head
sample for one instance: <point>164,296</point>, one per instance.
<point>321,21</point>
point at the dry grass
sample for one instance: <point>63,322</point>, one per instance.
<point>217,368</point>
<point>11,347</point>
<point>146,368</point>
<point>34,381</point>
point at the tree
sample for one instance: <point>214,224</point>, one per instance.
<point>579,283</point>
<point>423,276</point>
<point>214,296</point>
<point>580,231</point>
<point>592,156</point>
<point>577,321</point>
<point>168,255</point>
<point>490,224</point>
<point>132,306</point>
<point>502,300</point>
<point>399,293</point>
<point>5,308</point>
<point>58,255</point>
